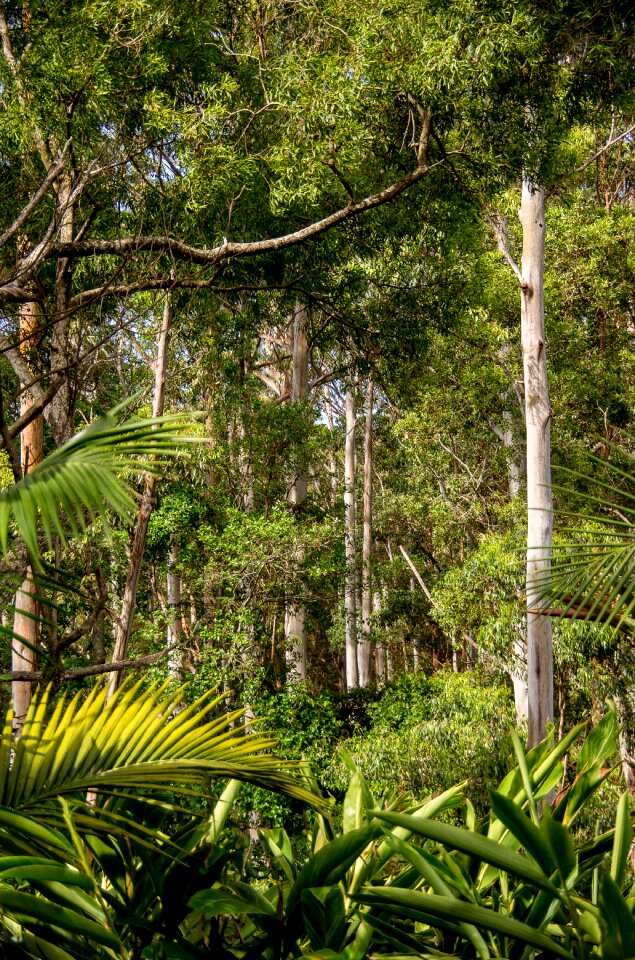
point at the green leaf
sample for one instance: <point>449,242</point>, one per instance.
<point>475,845</point>
<point>560,843</point>
<point>221,902</point>
<point>618,923</point>
<point>522,828</point>
<point>324,914</point>
<point>622,840</point>
<point>331,864</point>
<point>26,907</point>
<point>82,479</point>
<point>449,908</point>
<point>357,800</point>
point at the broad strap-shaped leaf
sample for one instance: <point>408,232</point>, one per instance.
<point>523,830</point>
<point>428,871</point>
<point>475,845</point>
<point>622,840</point>
<point>424,906</point>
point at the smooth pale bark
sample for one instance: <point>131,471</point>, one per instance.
<point>123,627</point>
<point>23,655</point>
<point>364,651</point>
<point>538,423</point>
<point>175,616</point>
<point>519,643</point>
<point>330,420</point>
<point>294,619</point>
<point>350,586</point>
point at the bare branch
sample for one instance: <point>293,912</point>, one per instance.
<point>607,146</point>
<point>499,227</point>
<point>34,411</point>
<point>230,251</point>
<point>419,578</point>
<point>92,671</point>
<point>39,194</point>
<point>74,635</point>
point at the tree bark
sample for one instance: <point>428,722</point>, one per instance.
<point>294,620</point>
<point>350,587</point>
<point>60,413</point>
<point>175,617</point>
<point>23,655</point>
<point>538,422</point>
<point>519,643</point>
<point>123,628</point>
<point>365,659</point>
<point>330,420</point>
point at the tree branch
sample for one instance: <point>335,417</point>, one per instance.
<point>95,669</point>
<point>227,250</point>
<point>499,228</point>
<point>607,146</point>
<point>39,194</point>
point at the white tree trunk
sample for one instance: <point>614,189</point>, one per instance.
<point>364,652</point>
<point>519,643</point>
<point>350,587</point>
<point>330,420</point>
<point>294,619</point>
<point>538,421</point>
<point>60,413</point>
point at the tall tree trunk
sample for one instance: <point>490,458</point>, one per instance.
<point>294,620</point>
<point>330,420</point>
<point>538,421</point>
<point>60,414</point>
<point>175,616</point>
<point>350,587</point>
<point>123,628</point>
<point>23,655</point>
<point>365,657</point>
<point>519,643</point>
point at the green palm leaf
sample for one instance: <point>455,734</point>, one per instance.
<point>138,741</point>
<point>593,579</point>
<point>81,480</point>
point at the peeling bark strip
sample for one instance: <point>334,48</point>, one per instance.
<point>538,424</point>
<point>137,548</point>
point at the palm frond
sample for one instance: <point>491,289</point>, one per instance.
<point>138,741</point>
<point>593,578</point>
<point>83,479</point>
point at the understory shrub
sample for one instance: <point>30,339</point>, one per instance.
<point>428,732</point>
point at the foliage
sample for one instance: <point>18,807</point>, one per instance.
<point>78,482</point>
<point>519,880</point>
<point>428,731</point>
<point>515,881</point>
<point>133,754</point>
